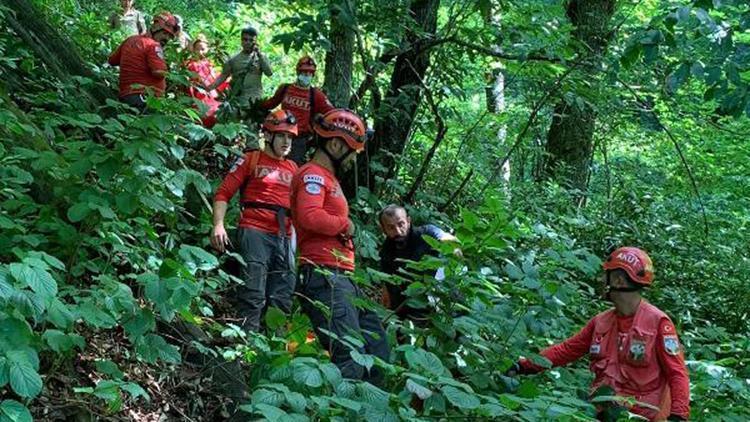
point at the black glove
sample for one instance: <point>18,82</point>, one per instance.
<point>674,417</point>
<point>514,370</point>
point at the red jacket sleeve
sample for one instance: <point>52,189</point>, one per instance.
<point>322,104</point>
<point>114,58</point>
<point>309,213</point>
<point>274,101</point>
<point>568,351</point>
<point>672,361</point>
<point>237,174</point>
<point>154,58</point>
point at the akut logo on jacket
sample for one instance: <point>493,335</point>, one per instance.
<point>276,174</point>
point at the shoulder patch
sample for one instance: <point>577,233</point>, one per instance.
<point>312,188</point>
<point>314,178</point>
<point>672,345</point>
<point>237,164</point>
<point>159,51</point>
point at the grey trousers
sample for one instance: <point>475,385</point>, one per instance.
<point>342,318</point>
<point>268,274</point>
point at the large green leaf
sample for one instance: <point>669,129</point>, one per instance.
<point>24,379</point>
<point>424,360</point>
<point>421,391</point>
<point>38,279</point>
<point>61,342</point>
<point>308,376</point>
<point>13,411</point>
<point>460,398</point>
<point>197,259</point>
<point>153,347</point>
<point>269,397</point>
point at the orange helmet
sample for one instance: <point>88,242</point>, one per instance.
<point>306,64</point>
<point>281,121</point>
<point>167,22</point>
<point>342,123</point>
<point>634,262</point>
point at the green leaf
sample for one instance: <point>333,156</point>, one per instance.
<point>528,390</point>
<point>135,390</point>
<point>460,398</point>
<point>271,413</point>
<point>109,368</point>
<point>159,292</point>
<point>197,259</point>
<point>61,342</point>
<point>346,403</point>
<point>275,318</point>
<point>4,371</point>
<point>373,395</point>
<point>296,401</point>
<point>13,411</point>
<point>269,397</point>
<point>153,347</point>
<point>307,375</point>
<point>38,279</point>
<point>427,361</point>
<point>421,391</point>
<point>365,360</point>
<point>24,380</point>
<point>14,333</point>
<point>140,323</point>
<point>78,212</point>
<point>107,390</point>
<point>59,314</point>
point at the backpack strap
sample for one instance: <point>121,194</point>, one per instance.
<point>312,102</point>
<point>254,158</point>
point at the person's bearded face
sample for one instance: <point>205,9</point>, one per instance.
<point>396,227</point>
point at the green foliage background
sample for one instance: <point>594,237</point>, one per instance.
<point>103,230</point>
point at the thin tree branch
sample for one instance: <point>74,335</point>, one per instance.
<point>677,148</point>
<point>499,165</point>
<point>441,131</point>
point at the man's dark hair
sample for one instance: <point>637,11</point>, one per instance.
<point>390,210</point>
<point>249,30</point>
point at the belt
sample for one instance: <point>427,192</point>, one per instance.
<point>281,213</point>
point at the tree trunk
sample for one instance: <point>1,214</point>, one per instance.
<point>569,140</point>
<point>496,104</point>
<point>339,58</point>
<point>399,107</point>
<point>50,46</point>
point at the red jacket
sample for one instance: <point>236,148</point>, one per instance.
<point>321,218</point>
<point>296,100</point>
<point>638,356</point>
<point>138,57</point>
<point>267,183</point>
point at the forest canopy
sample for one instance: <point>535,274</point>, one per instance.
<point>543,134</point>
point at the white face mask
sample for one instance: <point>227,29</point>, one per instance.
<point>304,80</point>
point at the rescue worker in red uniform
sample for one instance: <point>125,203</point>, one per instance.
<point>264,234</point>
<point>326,250</point>
<point>141,61</point>
<point>304,101</point>
<point>633,348</point>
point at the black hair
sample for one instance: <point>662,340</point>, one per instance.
<point>249,30</point>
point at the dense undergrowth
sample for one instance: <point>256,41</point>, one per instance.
<point>104,245</point>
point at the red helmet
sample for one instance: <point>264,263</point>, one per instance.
<point>342,123</point>
<point>281,121</point>
<point>167,22</point>
<point>306,64</point>
<point>634,262</point>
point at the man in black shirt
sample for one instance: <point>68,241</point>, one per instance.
<point>404,242</point>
